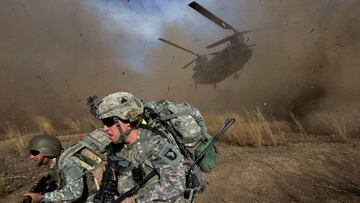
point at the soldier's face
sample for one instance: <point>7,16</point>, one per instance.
<point>114,132</point>
<point>38,158</point>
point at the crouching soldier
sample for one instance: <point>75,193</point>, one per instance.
<point>47,150</point>
<point>143,166</point>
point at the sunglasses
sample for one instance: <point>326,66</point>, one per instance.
<point>34,152</point>
<point>108,122</point>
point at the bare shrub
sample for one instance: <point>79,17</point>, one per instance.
<point>300,127</point>
<point>72,123</point>
<point>250,128</point>
<point>18,140</point>
<point>254,129</point>
<point>44,124</point>
<point>89,122</point>
<point>336,125</point>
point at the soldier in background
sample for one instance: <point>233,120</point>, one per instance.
<point>137,154</point>
<point>47,150</point>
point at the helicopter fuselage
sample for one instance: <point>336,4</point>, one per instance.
<point>226,63</point>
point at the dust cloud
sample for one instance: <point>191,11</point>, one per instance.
<point>56,53</point>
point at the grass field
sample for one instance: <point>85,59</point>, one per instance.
<point>252,128</point>
<point>291,167</point>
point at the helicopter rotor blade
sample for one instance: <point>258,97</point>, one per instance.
<point>229,38</point>
<point>177,46</point>
<point>188,64</point>
<point>206,13</point>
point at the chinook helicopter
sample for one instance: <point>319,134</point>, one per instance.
<point>226,62</point>
<point>200,60</point>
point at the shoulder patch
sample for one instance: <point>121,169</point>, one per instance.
<point>170,154</point>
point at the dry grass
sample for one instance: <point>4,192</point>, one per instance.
<point>336,125</point>
<point>90,122</point>
<point>300,127</point>
<point>44,124</point>
<point>82,124</point>
<point>17,138</point>
<point>250,128</point>
<point>72,123</point>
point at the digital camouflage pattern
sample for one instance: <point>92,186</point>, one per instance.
<point>187,126</point>
<point>87,153</point>
<point>121,104</point>
<point>149,152</point>
<point>186,120</point>
<point>96,141</point>
<point>69,180</point>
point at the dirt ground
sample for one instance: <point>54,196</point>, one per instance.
<point>297,172</point>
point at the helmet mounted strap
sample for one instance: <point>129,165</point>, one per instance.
<point>125,134</point>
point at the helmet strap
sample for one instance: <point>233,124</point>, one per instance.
<point>125,134</point>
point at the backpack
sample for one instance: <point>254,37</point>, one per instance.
<point>89,152</point>
<point>187,127</point>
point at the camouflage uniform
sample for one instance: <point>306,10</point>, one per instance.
<point>69,180</point>
<point>150,152</point>
<point>96,141</point>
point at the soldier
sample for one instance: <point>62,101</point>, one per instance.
<point>140,159</point>
<point>47,150</point>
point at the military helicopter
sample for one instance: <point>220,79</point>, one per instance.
<point>226,62</point>
<point>200,60</point>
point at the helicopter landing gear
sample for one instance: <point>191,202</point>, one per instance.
<point>236,76</point>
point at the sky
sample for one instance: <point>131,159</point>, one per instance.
<point>56,53</point>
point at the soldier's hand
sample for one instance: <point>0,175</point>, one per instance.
<point>36,197</point>
<point>98,173</point>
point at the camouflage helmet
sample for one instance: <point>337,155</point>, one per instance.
<point>47,145</point>
<point>122,105</point>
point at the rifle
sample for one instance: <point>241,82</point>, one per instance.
<point>113,168</point>
<point>45,184</point>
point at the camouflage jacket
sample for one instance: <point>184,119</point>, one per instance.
<point>150,152</point>
<point>69,180</point>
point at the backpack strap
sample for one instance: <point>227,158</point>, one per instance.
<point>174,115</point>
<point>144,138</point>
<point>181,146</point>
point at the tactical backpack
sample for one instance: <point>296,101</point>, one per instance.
<point>187,127</point>
<point>89,152</point>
